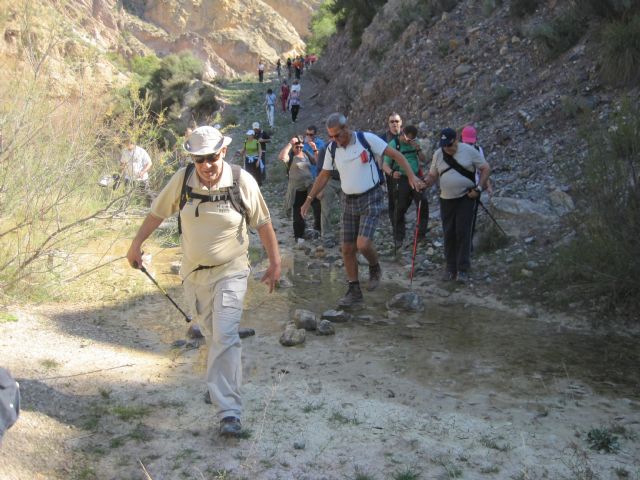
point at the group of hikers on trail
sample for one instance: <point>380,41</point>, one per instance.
<point>217,202</point>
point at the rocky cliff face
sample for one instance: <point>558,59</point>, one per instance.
<point>467,65</point>
<point>228,36</point>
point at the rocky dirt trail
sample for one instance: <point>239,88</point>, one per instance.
<point>466,388</point>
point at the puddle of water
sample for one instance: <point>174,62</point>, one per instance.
<point>461,348</point>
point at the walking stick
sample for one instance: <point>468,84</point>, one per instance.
<point>492,218</point>
<point>144,270</point>
<point>395,184</point>
<point>415,244</point>
<point>475,216</point>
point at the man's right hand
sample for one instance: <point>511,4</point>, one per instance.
<point>305,207</point>
<point>134,256</point>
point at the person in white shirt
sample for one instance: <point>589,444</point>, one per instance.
<point>361,181</point>
<point>135,164</point>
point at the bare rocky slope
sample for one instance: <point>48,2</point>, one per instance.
<point>85,38</point>
<point>468,65</point>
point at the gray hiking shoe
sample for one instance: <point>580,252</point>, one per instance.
<point>352,297</point>
<point>230,427</point>
<point>375,273</point>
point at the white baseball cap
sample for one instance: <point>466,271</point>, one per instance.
<point>255,125</point>
<point>205,141</point>
<point>250,132</point>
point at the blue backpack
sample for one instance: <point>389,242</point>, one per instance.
<point>372,159</point>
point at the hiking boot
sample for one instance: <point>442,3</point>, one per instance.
<point>230,427</point>
<point>463,277</point>
<point>352,297</point>
<point>375,273</point>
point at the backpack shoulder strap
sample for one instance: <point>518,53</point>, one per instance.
<point>372,158</point>
<point>185,191</point>
<point>332,151</point>
<point>235,196</point>
<point>453,164</point>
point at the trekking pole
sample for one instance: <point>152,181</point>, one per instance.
<point>144,270</point>
<point>396,197</point>
<point>473,224</point>
<point>492,218</point>
<point>415,244</point>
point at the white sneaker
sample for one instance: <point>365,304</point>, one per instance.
<point>300,241</point>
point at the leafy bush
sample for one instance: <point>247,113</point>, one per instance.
<point>521,8</point>
<point>602,262</point>
<point>621,51</point>
<point>563,32</point>
<point>145,67</point>
<point>323,27</point>
<point>359,12</point>
<point>609,8</point>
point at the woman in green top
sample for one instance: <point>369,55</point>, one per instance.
<point>252,154</point>
<point>399,184</point>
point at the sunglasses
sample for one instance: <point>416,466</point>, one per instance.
<point>394,121</point>
<point>214,157</point>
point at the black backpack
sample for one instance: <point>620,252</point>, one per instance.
<point>232,194</point>
<point>372,159</point>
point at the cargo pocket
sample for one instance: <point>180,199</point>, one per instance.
<point>231,299</point>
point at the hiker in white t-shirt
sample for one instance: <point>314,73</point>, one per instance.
<point>353,155</point>
<point>135,164</point>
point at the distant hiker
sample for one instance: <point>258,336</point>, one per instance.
<point>284,95</point>
<point>264,138</point>
<point>352,153</point>
<point>215,266</point>
<point>294,100</point>
<point>289,67</point>
<point>299,171</point>
<point>135,164</point>
<point>298,65</point>
<point>260,70</point>
<point>394,127</point>
<point>470,137</point>
<point>270,105</point>
<point>312,144</point>
<point>455,165</point>
<point>279,69</point>
<point>9,401</point>
<point>251,152</point>
<point>399,187</point>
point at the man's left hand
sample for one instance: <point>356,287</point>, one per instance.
<point>271,276</point>
<point>473,194</point>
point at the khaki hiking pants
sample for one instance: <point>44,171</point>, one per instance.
<point>218,309</point>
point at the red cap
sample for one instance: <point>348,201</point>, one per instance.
<point>469,134</point>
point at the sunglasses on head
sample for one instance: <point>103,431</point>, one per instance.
<point>213,157</point>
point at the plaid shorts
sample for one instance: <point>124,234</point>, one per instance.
<point>360,214</point>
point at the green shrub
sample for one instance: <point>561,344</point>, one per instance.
<point>602,262</point>
<point>359,13</point>
<point>563,32</point>
<point>323,27</point>
<point>521,8</point>
<point>621,51</point>
<point>608,8</point>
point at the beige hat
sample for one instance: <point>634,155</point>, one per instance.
<point>206,140</point>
